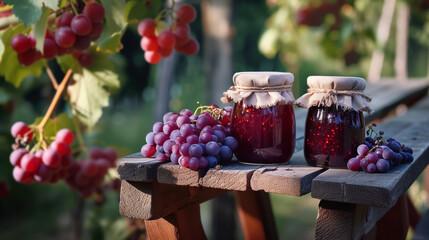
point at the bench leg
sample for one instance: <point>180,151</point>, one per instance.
<point>183,224</point>
<point>395,223</point>
<point>256,215</point>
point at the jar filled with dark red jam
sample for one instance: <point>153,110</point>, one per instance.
<point>262,119</point>
<point>335,125</point>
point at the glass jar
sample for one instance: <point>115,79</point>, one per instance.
<point>264,135</point>
<point>335,125</point>
<point>332,136</point>
<point>262,119</point>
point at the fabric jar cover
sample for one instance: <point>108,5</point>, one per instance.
<point>260,89</point>
<point>346,92</point>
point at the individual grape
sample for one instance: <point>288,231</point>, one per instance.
<point>65,20</point>
<point>149,44</point>
<point>42,174</point>
<point>65,135</point>
<point>186,13</point>
<point>20,43</point>
<point>81,25</point>
<point>207,129</point>
<point>404,157</point>
<point>169,127</point>
<point>370,140</point>
<point>86,59</point>
<point>212,148</point>
<point>89,168</point>
<point>146,28</point>
<point>96,153</point>
<point>225,154</point>
<point>395,146</point>
<point>96,30</point>
<point>184,149</point>
<point>30,163</point>
<point>64,37</point>
<point>168,145</point>
<point>371,168</point>
<point>182,119</point>
<point>193,117</point>
<point>231,142</point>
<point>194,163</point>
<point>186,130</point>
<point>148,150</point>
<point>186,112</point>
<point>152,57</point>
<point>379,152</point>
<point>390,139</point>
<point>353,164</point>
<point>191,47</point>
<point>174,158</point>
<point>205,137</point>
<point>212,161</point>
<point>82,43</point>
<point>410,157</point>
<point>182,34</point>
<point>51,158</point>
<point>160,138</point>
<point>162,157</point>
<point>174,134</point>
<point>360,157</point>
<point>215,138</point>
<point>166,116</point>
<point>66,161</point>
<point>407,149</point>
<point>111,155</point>
<point>166,39</point>
<point>192,139</point>
<point>202,121</point>
<point>16,156</point>
<point>20,129</point>
<point>184,161</point>
<point>203,162</point>
<point>172,117</point>
<point>27,58</point>
<point>165,52</point>
<point>195,150</point>
<point>149,138</point>
<point>372,157</point>
<point>364,163</point>
<point>362,149</point>
<point>388,154</point>
<point>157,127</point>
<point>397,158</point>
<point>94,11</point>
<point>220,135</point>
<point>21,176</point>
<point>62,148</point>
<point>176,149</point>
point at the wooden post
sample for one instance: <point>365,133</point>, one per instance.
<point>256,215</point>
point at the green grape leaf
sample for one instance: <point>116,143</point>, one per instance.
<point>53,125</point>
<point>67,62</point>
<point>40,29</point>
<point>91,91</point>
<point>10,68</point>
<point>114,28</point>
<point>30,11</point>
<point>138,10</point>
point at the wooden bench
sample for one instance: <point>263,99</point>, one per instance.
<point>167,196</point>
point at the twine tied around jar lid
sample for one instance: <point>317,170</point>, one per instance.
<point>260,89</point>
<point>346,92</point>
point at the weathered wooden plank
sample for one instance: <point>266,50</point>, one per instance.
<point>381,190</point>
<point>290,179</point>
<point>232,176</point>
<point>152,200</point>
<point>135,167</point>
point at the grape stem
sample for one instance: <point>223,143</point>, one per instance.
<point>51,76</point>
<point>54,102</point>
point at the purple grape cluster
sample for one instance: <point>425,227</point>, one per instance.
<point>379,155</point>
<point>193,141</point>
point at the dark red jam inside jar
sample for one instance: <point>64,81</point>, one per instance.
<point>264,135</point>
<point>332,136</point>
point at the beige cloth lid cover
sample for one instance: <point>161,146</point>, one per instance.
<point>260,89</point>
<point>346,92</point>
